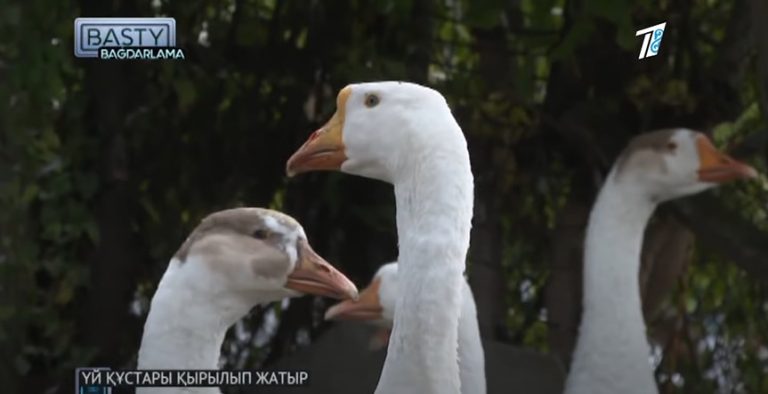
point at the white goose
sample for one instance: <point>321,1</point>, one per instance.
<point>612,352</point>
<point>405,134</point>
<point>377,305</point>
<point>234,260</point>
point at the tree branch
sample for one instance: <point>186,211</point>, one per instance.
<point>759,12</point>
<point>739,240</point>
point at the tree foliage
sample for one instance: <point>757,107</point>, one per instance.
<point>106,166</point>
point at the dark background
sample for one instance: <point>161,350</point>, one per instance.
<point>106,166</point>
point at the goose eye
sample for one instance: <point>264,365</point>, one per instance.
<point>260,234</point>
<point>671,146</point>
<point>371,100</point>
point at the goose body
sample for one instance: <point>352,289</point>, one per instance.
<point>377,304</point>
<point>233,261</point>
<point>405,134</point>
<point>612,354</point>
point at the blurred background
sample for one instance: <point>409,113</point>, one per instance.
<point>106,166</point>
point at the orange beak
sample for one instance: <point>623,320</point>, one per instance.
<point>717,167</point>
<point>367,307</point>
<point>313,275</point>
<point>324,150</point>
<point>379,339</point>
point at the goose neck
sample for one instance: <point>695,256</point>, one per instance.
<point>471,354</point>
<point>434,212</point>
<point>185,327</point>
<point>612,353</point>
<point>613,246</point>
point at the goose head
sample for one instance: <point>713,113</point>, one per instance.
<point>254,255</point>
<point>668,164</point>
<point>379,130</point>
<point>376,303</point>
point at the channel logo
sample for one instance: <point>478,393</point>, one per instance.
<point>126,38</point>
<point>651,35</point>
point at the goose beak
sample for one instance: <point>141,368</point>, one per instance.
<point>379,339</point>
<point>717,167</point>
<point>313,275</point>
<point>367,307</point>
<point>324,150</point>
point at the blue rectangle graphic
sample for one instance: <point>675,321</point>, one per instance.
<point>94,33</point>
<point>82,387</point>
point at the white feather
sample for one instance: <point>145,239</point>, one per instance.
<point>412,141</point>
<point>470,348</point>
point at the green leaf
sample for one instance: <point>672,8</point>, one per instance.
<point>30,193</point>
<point>579,34</point>
<point>186,93</point>
<point>64,294</point>
<point>485,13</point>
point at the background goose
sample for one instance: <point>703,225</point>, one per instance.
<point>612,353</point>
<point>377,304</point>
<point>358,355</point>
<point>234,260</point>
<point>405,134</point>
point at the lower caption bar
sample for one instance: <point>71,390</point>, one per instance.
<point>90,378</point>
